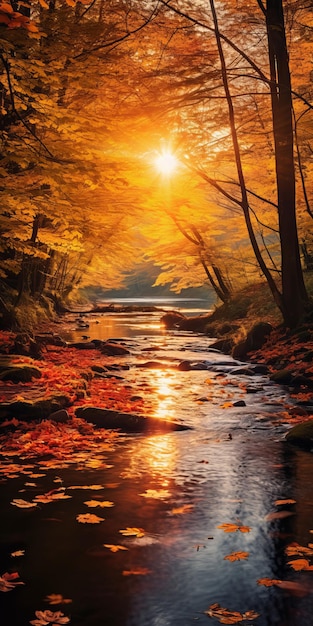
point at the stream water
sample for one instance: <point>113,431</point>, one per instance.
<point>232,467</point>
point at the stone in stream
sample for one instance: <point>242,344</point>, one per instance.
<point>301,435</point>
<point>126,422</point>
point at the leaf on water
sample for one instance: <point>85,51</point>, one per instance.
<point>23,504</point>
<point>89,518</point>
<point>278,515</point>
<point>224,616</point>
<point>138,571</point>
<point>57,598</point>
<point>300,564</point>
<point>227,405</point>
<point>51,496</point>
<point>44,618</point>
<point>280,502</point>
<point>93,487</point>
<point>268,582</point>
<point>232,528</point>
<point>114,547</point>
<point>294,549</point>
<point>132,532</point>
<point>181,510</point>
<point>8,581</point>
<point>102,504</point>
<point>236,556</point>
<point>18,553</point>
<point>156,493</point>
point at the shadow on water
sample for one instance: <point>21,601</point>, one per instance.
<point>176,490</point>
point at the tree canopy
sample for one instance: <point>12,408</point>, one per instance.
<point>92,92</point>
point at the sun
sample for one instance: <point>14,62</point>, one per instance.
<point>166,163</point>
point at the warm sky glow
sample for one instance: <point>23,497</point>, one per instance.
<point>166,163</point>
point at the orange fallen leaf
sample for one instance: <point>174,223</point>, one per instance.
<point>57,598</point>
<point>236,556</point>
<point>139,571</point>
<point>89,518</point>
<point>102,504</point>
<point>181,510</point>
<point>18,553</point>
<point>280,502</point>
<point>23,504</point>
<point>132,532</point>
<point>294,549</point>
<point>156,493</point>
<point>93,487</point>
<point>114,547</point>
<point>278,515</point>
<point>232,528</point>
<point>224,616</point>
<point>268,582</point>
<point>300,564</point>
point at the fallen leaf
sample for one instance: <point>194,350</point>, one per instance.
<point>268,582</point>
<point>57,598</point>
<point>232,528</point>
<point>44,618</point>
<point>23,504</point>
<point>89,518</point>
<point>224,616</point>
<point>139,571</point>
<point>300,564</point>
<point>181,510</point>
<point>294,549</point>
<point>114,547</point>
<point>156,493</point>
<point>236,556</point>
<point>18,553</point>
<point>280,502</point>
<point>131,532</point>
<point>103,504</point>
<point>93,487</point>
<point>8,581</point>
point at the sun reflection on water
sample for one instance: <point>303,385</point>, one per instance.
<point>155,457</point>
<point>165,394</point>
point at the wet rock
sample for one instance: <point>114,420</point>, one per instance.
<point>61,416</point>
<point>19,373</point>
<point>113,349</point>
<point>255,339</point>
<point>184,366</point>
<point>151,365</point>
<point>172,319</point>
<point>282,377</point>
<point>224,345</point>
<point>98,369</point>
<point>82,345</point>
<point>126,422</point>
<point>239,403</point>
<point>40,409</point>
<point>301,435</point>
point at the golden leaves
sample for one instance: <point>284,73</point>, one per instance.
<point>9,580</point>
<point>18,553</point>
<point>232,528</point>
<point>43,618</point>
<point>138,571</point>
<point>295,549</point>
<point>181,510</point>
<point>224,616</point>
<point>89,518</point>
<point>236,556</point>
<point>132,532</point>
<point>114,547</point>
<point>268,582</point>
<point>57,598</point>
<point>156,493</point>
<point>23,504</point>
<point>300,564</point>
<point>102,504</point>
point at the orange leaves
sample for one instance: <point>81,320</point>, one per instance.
<point>268,582</point>
<point>89,518</point>
<point>138,571</point>
<point>114,547</point>
<point>57,598</point>
<point>102,504</point>
<point>224,616</point>
<point>300,564</point>
<point>236,556</point>
<point>294,549</point>
<point>132,532</point>
<point>282,502</point>
<point>9,581</point>
<point>233,528</point>
<point>157,494</point>
<point>43,618</point>
<point>23,504</point>
<point>181,510</point>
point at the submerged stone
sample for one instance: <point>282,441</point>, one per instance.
<point>302,435</point>
<point>126,422</point>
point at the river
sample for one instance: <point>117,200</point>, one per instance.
<point>232,467</point>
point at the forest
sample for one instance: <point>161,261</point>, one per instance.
<point>168,132</point>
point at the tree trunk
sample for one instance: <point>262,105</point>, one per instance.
<point>294,293</point>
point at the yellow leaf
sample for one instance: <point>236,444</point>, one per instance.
<point>18,553</point>
<point>57,598</point>
<point>156,493</point>
<point>114,547</point>
<point>89,518</point>
<point>23,504</point>
<point>94,503</point>
<point>132,532</point>
<point>232,528</point>
<point>181,510</point>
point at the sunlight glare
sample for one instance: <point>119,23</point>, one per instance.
<point>166,163</point>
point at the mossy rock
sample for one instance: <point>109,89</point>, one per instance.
<point>20,373</point>
<point>301,435</point>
